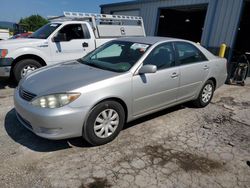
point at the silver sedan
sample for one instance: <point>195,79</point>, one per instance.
<point>120,81</point>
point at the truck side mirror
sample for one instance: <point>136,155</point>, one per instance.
<point>60,37</point>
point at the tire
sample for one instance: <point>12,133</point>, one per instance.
<point>23,67</point>
<point>97,128</point>
<point>205,98</point>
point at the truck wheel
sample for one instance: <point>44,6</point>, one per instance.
<point>23,67</point>
<point>206,95</point>
<point>104,123</point>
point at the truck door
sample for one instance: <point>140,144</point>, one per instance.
<point>76,44</point>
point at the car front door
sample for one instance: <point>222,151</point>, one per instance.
<point>194,68</point>
<point>77,44</point>
<point>155,90</point>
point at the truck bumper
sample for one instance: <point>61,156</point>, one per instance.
<point>5,67</point>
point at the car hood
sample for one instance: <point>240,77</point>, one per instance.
<point>25,42</point>
<point>63,77</point>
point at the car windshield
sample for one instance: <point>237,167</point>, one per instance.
<point>45,31</point>
<point>116,56</point>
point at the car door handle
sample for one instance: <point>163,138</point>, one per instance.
<point>206,67</point>
<point>85,44</point>
<point>174,75</point>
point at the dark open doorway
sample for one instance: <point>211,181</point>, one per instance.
<point>182,22</point>
<point>242,43</point>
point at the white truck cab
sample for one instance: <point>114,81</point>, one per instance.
<point>66,37</point>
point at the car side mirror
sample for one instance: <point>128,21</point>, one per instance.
<point>148,69</point>
<point>60,37</point>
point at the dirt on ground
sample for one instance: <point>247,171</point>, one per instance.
<point>178,147</point>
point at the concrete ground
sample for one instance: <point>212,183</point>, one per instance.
<point>178,147</point>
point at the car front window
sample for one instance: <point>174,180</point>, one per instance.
<point>45,31</point>
<point>117,56</point>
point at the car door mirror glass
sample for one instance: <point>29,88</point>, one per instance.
<point>60,37</point>
<point>148,69</point>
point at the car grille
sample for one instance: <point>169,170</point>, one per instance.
<point>26,95</point>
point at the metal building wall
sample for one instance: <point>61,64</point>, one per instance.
<point>149,9</point>
<point>222,22</point>
<point>220,25</point>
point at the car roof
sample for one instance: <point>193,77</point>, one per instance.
<point>154,40</point>
<point>147,40</point>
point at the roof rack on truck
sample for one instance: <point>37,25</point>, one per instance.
<point>106,25</point>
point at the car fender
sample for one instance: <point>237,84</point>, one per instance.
<point>28,51</point>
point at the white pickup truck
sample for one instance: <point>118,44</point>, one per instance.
<point>66,37</point>
<point>4,34</point>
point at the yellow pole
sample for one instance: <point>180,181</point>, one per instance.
<point>223,48</point>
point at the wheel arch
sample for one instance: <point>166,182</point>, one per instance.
<point>214,81</point>
<point>27,56</point>
<point>116,99</point>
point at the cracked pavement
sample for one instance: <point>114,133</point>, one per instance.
<point>178,147</point>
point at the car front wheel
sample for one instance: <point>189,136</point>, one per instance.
<point>104,123</point>
<point>206,94</point>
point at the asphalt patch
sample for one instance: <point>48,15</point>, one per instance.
<point>228,101</point>
<point>186,161</point>
<point>248,163</point>
<point>219,119</point>
<point>98,183</point>
<point>246,104</point>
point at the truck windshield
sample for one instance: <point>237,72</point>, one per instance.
<point>116,56</point>
<point>45,31</point>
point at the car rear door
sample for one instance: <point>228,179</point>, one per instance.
<point>78,43</point>
<point>194,68</point>
<point>155,90</point>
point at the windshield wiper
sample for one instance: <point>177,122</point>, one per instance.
<point>82,61</point>
<point>88,63</point>
<point>94,65</point>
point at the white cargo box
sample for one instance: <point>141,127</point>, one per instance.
<point>107,25</point>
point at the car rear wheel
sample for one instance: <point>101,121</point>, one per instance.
<point>24,67</point>
<point>206,95</point>
<point>104,123</point>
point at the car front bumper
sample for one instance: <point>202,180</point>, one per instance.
<point>54,124</point>
<point>5,67</point>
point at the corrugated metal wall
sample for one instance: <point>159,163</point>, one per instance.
<point>220,25</point>
<point>222,22</point>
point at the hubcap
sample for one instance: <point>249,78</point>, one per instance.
<point>27,69</point>
<point>106,123</point>
<point>207,93</point>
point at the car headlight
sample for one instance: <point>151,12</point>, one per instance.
<point>3,53</point>
<point>55,100</point>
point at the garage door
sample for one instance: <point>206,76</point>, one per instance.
<point>128,12</point>
<point>187,24</point>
